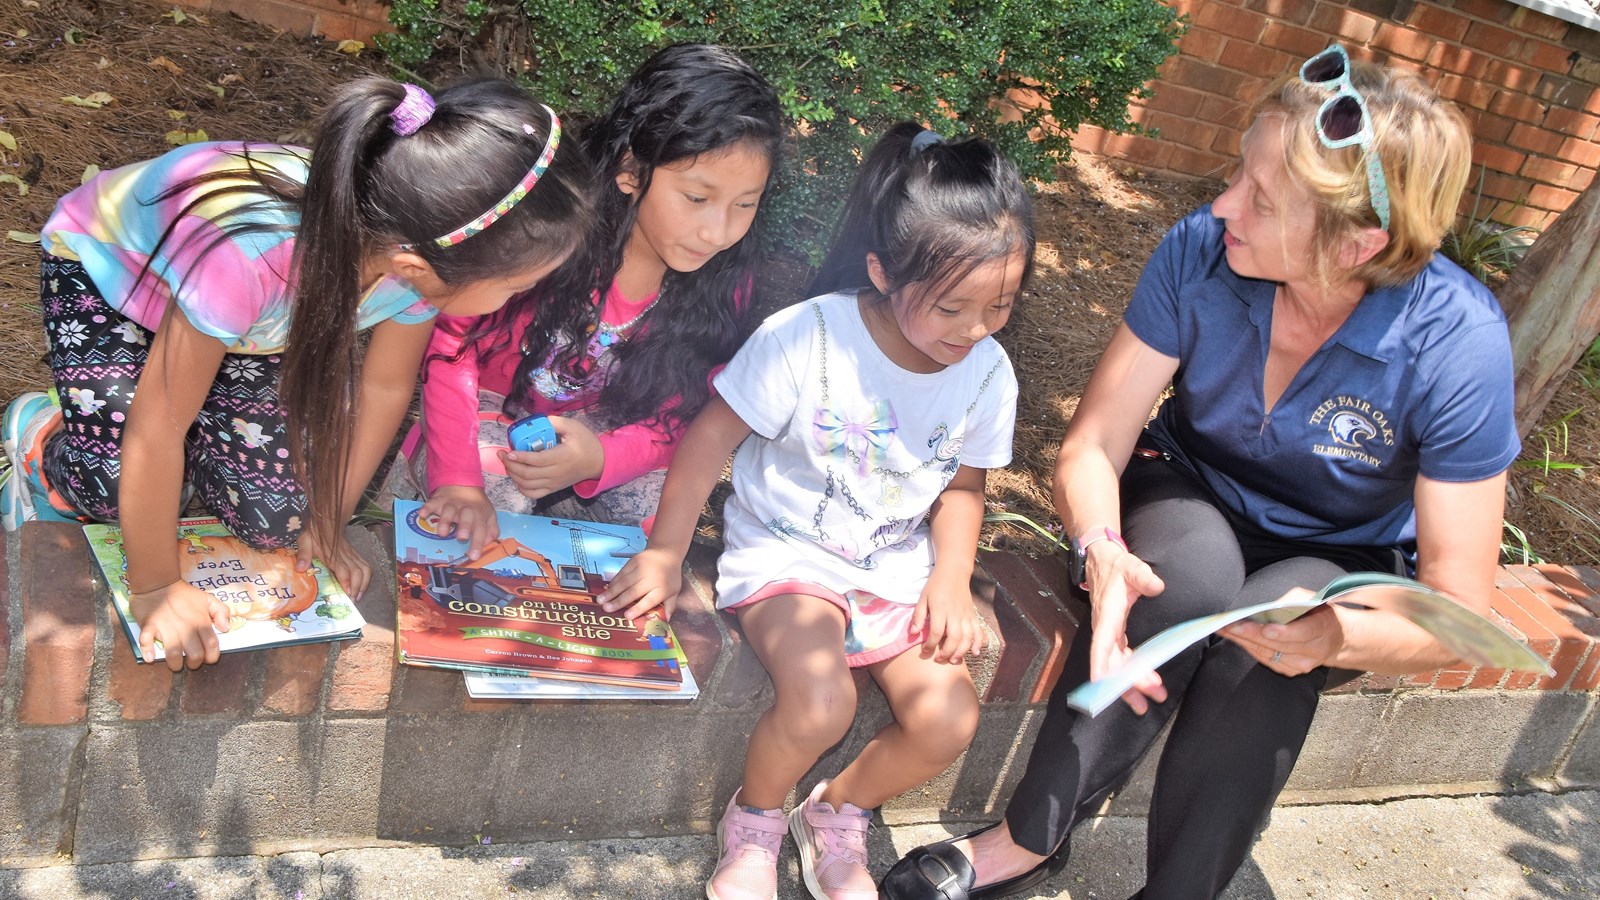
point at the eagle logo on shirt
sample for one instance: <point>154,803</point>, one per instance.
<point>1351,429</point>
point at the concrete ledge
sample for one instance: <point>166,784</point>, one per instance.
<point>325,747</point>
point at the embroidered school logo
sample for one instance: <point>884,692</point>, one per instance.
<point>427,527</point>
<point>1355,430</point>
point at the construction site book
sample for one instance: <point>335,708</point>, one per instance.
<point>526,605</point>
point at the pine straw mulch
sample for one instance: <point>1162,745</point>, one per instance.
<point>1097,224</point>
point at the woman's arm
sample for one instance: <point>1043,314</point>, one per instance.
<point>1115,407</point>
<point>179,372</point>
<point>946,602</point>
<point>654,576</point>
<point>1458,540</point>
<point>388,379</point>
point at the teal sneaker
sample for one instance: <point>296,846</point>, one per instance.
<point>24,497</point>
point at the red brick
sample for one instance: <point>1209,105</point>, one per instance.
<point>217,688</point>
<point>1587,678</point>
<point>1557,89</point>
<point>1571,645</point>
<point>57,624</point>
<point>1571,123</point>
<point>1584,153</point>
<point>1419,680</point>
<point>1018,646</point>
<point>1251,57</point>
<point>1580,583</point>
<point>1238,23</point>
<point>1519,681</point>
<point>1223,111</point>
<point>1546,56</point>
<point>1175,99</point>
<point>1487,126</point>
<point>1535,139</point>
<point>294,679</point>
<point>1347,24</point>
<point>1486,679</point>
<point>363,670</point>
<point>1301,43</point>
<point>1548,171</point>
<point>1544,196</point>
<point>1202,44</point>
<point>1492,40</point>
<point>1591,103</point>
<point>1518,213</point>
<point>1453,679</point>
<point>1517,106</point>
<point>1498,186</point>
<point>1180,130</point>
<point>1466,92</point>
<point>1498,159</point>
<point>1438,21</point>
<point>1037,605</point>
<point>1199,162</point>
<point>1227,142</point>
<point>141,691</point>
<point>1373,682</point>
<point>1205,77</point>
<point>1460,60</point>
<point>1581,180</point>
<point>1402,41</point>
<point>1296,11</point>
<point>1539,24</point>
<point>1493,10</point>
<point>1132,148</point>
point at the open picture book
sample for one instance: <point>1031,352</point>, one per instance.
<point>271,604</point>
<point>1471,637</point>
<point>526,607</point>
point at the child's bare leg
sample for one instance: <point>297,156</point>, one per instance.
<point>935,716</point>
<point>800,640</point>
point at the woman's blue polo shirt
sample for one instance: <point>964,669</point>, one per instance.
<point>1417,380</point>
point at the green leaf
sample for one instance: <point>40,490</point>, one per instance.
<point>7,141</point>
<point>89,171</point>
<point>22,186</point>
<point>22,237</point>
<point>95,100</point>
<point>179,138</point>
<point>177,16</point>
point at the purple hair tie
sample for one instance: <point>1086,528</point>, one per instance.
<point>413,112</point>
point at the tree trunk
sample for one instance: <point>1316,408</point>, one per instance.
<point>1553,304</point>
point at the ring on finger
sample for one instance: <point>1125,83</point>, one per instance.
<point>1276,657</point>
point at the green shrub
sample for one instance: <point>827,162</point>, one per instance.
<point>844,69</point>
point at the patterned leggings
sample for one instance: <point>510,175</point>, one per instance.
<point>236,453</point>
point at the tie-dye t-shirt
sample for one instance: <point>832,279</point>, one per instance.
<point>232,287</point>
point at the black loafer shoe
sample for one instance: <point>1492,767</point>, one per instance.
<point>939,871</point>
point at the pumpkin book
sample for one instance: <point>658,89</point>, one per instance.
<point>271,603</point>
<point>526,605</point>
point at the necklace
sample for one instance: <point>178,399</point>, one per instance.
<point>606,335</point>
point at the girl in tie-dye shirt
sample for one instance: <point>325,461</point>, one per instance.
<point>202,312</point>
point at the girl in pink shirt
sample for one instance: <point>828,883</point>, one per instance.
<point>618,345</point>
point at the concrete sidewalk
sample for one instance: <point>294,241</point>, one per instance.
<point>1519,846</point>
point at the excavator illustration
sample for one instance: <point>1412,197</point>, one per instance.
<point>477,581</point>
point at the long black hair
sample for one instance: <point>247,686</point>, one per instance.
<point>371,189</point>
<point>685,101</point>
<point>932,211</point>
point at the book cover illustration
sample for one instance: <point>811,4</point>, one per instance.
<point>271,603</point>
<point>527,605</point>
<point>1470,636</point>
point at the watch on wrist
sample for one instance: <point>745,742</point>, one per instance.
<point>1080,547</point>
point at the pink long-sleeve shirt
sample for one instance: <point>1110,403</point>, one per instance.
<point>451,417</point>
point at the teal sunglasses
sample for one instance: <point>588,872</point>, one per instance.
<point>1343,121</point>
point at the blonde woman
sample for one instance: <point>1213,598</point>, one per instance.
<point>1342,401</point>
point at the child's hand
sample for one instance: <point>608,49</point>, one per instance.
<point>347,566</point>
<point>954,629</point>
<point>184,619</point>
<point>649,580</point>
<point>579,457</point>
<point>466,509</point>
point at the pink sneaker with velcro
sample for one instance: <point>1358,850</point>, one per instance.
<point>833,848</point>
<point>747,854</point>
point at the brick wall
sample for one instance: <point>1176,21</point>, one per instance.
<point>1529,84</point>
<point>335,20</point>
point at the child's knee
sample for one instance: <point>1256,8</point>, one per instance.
<point>944,721</point>
<point>820,712</point>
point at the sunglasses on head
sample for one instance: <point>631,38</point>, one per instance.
<point>1343,121</point>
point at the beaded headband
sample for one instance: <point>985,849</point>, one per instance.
<point>509,200</point>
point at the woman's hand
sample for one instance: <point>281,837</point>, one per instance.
<point>652,578</point>
<point>578,457</point>
<point>1297,647</point>
<point>1117,579</point>
<point>954,629</point>
<point>184,620</point>
<point>347,566</point>
<point>467,510</point>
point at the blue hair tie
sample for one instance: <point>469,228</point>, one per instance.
<point>925,139</point>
